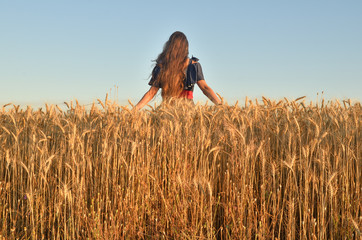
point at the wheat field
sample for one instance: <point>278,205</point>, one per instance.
<point>264,170</point>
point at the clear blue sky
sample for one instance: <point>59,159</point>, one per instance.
<point>56,51</point>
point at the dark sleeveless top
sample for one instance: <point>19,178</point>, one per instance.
<point>193,74</point>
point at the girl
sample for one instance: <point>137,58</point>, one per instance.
<point>176,74</point>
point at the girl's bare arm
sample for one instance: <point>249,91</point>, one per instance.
<point>208,91</point>
<point>147,97</point>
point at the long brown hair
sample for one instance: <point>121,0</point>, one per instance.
<point>172,61</point>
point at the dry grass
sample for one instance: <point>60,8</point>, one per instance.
<point>286,170</point>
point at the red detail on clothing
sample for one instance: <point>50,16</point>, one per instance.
<point>187,94</point>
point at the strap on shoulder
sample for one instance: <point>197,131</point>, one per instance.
<point>194,59</point>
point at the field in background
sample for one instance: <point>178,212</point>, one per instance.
<point>267,170</point>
